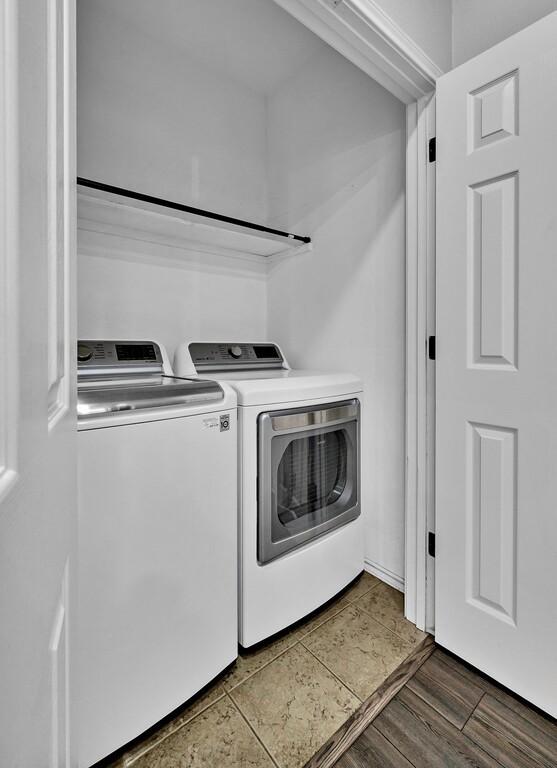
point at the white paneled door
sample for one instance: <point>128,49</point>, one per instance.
<point>496,462</point>
<point>37,408</point>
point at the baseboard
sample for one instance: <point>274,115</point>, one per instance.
<point>390,578</point>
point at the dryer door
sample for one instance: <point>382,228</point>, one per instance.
<point>308,475</point>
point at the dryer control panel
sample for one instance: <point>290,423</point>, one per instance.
<point>212,356</point>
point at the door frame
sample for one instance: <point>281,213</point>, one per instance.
<point>365,35</point>
<point>9,285</point>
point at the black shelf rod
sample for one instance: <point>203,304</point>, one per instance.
<point>187,209</point>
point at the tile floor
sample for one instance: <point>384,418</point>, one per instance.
<point>281,702</point>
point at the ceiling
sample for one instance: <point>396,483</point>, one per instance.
<point>225,36</point>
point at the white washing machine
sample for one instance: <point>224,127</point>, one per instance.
<point>157,548</point>
<point>301,530</point>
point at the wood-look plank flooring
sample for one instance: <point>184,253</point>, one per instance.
<point>449,716</point>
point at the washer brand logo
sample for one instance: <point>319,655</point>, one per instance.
<point>211,423</point>
<point>225,422</point>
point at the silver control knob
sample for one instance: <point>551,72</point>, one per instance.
<point>235,351</point>
<point>84,353</point>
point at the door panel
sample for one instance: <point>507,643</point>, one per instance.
<point>496,445</point>
<point>491,555</point>
<point>38,436</point>
<point>492,207</point>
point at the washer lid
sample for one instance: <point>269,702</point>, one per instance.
<point>101,396</point>
<point>288,386</point>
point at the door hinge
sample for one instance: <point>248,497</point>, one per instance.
<point>432,149</point>
<point>431,544</point>
<point>431,348</point>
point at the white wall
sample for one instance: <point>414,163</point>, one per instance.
<point>128,289</point>
<point>453,31</point>
<point>480,24</point>
<point>336,143</point>
<point>428,23</point>
<point>151,119</point>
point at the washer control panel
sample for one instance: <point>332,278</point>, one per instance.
<point>214,356</point>
<point>101,356</point>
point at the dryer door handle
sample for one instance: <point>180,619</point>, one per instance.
<point>337,414</point>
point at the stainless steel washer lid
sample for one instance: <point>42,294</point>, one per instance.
<point>99,396</point>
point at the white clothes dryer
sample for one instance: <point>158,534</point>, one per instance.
<point>300,522</point>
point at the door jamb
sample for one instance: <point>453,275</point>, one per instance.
<point>420,370</point>
<point>364,34</point>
